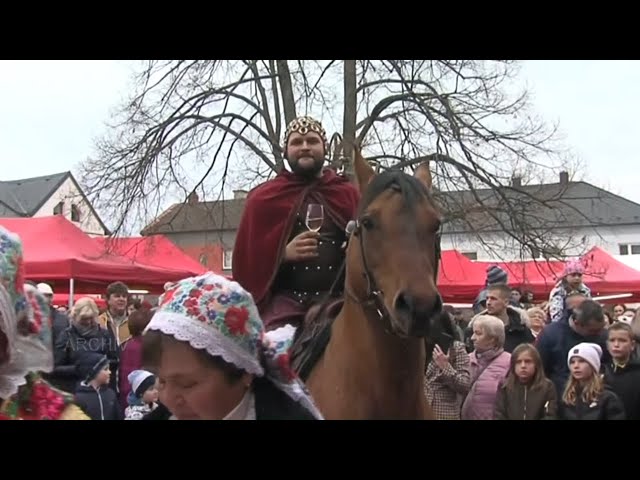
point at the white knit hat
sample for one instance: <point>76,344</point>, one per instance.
<point>137,379</point>
<point>590,352</point>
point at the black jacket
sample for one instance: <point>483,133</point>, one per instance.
<point>101,404</point>
<point>608,407</point>
<point>625,382</point>
<point>72,344</point>
<point>554,343</point>
<point>271,403</point>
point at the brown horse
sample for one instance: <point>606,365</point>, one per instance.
<point>373,364</point>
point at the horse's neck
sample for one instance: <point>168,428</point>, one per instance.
<point>388,370</point>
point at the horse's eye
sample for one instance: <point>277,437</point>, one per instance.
<point>367,223</point>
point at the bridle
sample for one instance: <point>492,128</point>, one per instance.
<point>374,299</point>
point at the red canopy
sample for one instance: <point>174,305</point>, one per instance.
<point>55,249</point>
<point>604,275</point>
<point>156,250</point>
<point>459,279</point>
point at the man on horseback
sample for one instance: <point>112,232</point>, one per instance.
<point>278,257</point>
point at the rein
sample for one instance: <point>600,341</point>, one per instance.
<point>375,297</point>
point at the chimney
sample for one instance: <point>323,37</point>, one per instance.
<point>238,194</point>
<point>516,181</point>
<point>192,199</point>
<point>564,178</point>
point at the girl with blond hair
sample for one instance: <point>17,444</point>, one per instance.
<point>585,397</point>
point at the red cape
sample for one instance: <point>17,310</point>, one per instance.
<point>268,218</point>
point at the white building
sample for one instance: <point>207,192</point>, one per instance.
<point>57,194</point>
<point>579,217</point>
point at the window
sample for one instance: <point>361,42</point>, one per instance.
<point>227,256</point>
<point>629,248</point>
<point>470,255</point>
<point>59,209</point>
<point>75,213</point>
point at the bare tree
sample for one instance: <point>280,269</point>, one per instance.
<point>465,117</point>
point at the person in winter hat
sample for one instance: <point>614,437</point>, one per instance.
<point>94,395</point>
<point>214,361</point>
<point>571,282</point>
<point>585,396</point>
<point>143,396</point>
<point>25,345</point>
<point>495,276</point>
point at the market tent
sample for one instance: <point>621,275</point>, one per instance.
<point>55,249</point>
<point>156,250</point>
<point>604,275</point>
<point>459,279</point>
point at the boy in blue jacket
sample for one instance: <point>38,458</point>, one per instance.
<point>93,395</point>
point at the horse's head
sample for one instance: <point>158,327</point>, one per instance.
<point>394,251</point>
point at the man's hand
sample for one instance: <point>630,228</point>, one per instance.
<point>302,247</point>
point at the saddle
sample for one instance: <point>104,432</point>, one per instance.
<point>312,337</point>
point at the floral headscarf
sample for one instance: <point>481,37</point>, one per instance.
<point>24,320</point>
<point>211,312</point>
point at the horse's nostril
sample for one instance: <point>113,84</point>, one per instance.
<point>407,304</point>
<point>404,303</point>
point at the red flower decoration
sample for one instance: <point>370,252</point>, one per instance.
<point>236,319</point>
<point>284,365</point>
<point>195,293</point>
<point>19,283</point>
<point>46,404</point>
<point>168,296</point>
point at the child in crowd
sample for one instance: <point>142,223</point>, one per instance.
<point>585,397</point>
<point>622,375</point>
<point>526,393</point>
<point>93,395</point>
<point>143,397</point>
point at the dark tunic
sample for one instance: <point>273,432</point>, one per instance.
<point>310,280</point>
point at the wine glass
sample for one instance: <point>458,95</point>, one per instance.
<point>315,216</point>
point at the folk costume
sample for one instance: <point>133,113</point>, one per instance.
<point>275,213</point>
<point>26,345</point>
<point>217,315</point>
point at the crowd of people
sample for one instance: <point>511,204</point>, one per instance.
<point>213,348</point>
<point>567,358</point>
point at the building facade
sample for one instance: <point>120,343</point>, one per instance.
<point>58,194</point>
<point>578,216</point>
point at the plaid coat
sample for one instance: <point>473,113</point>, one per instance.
<point>445,388</point>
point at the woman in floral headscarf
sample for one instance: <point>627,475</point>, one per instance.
<point>25,345</point>
<point>213,359</point>
<point>571,282</point>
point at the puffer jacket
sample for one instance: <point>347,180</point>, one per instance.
<point>486,376</point>
<point>607,407</point>
<point>137,409</point>
<point>558,300</point>
<point>525,403</point>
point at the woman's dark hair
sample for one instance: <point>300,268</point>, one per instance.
<point>153,343</point>
<point>138,321</point>
<point>624,307</point>
<point>538,377</point>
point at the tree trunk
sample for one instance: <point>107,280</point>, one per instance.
<point>350,113</point>
<point>286,88</point>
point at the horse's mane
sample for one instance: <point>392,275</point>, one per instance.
<point>413,191</point>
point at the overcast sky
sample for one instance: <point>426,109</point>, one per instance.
<point>53,110</point>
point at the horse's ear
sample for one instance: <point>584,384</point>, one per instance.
<point>363,170</point>
<point>423,173</point>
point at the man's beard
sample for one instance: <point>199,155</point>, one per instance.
<point>307,172</point>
